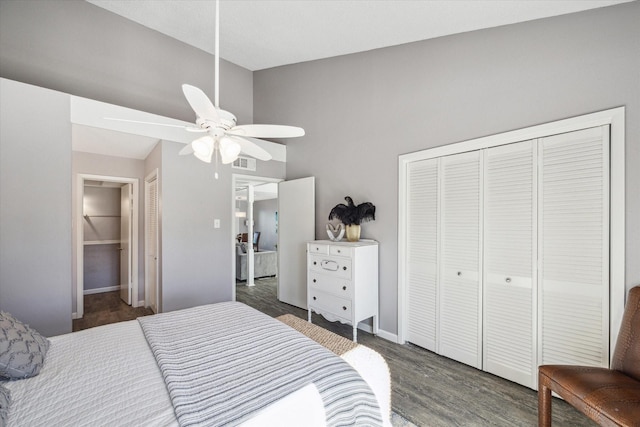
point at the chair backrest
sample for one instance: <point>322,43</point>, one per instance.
<point>626,357</point>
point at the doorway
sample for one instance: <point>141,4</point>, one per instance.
<point>294,221</point>
<point>101,229</point>
<point>255,244</point>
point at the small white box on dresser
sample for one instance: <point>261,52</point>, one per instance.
<point>342,281</point>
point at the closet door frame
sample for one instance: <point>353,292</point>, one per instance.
<point>616,119</point>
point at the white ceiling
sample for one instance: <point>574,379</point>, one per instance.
<point>259,34</point>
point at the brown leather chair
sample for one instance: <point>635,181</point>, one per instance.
<point>610,397</point>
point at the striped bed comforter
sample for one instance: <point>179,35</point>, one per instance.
<point>225,362</point>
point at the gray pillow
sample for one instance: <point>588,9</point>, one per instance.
<point>22,349</point>
<point>5,401</point>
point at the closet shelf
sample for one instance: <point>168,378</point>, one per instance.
<point>102,216</point>
<point>101,242</point>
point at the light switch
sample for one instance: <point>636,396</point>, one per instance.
<point>216,223</point>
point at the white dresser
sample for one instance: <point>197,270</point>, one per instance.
<point>342,281</point>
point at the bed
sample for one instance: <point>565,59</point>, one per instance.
<point>219,364</point>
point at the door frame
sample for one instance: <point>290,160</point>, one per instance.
<point>614,117</point>
<point>147,180</point>
<point>234,179</point>
<point>80,179</point>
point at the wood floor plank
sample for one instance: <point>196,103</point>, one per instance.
<point>431,390</point>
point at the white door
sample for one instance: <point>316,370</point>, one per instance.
<point>296,227</point>
<point>509,286</point>
<point>151,242</point>
<point>125,242</point>
<point>574,248</point>
<point>422,253</point>
<point>459,328</point>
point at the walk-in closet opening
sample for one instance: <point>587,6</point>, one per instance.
<point>107,239</point>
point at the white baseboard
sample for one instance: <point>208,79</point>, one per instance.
<point>381,333</point>
<point>365,327</point>
<point>141,303</point>
<point>74,316</point>
<point>101,290</point>
<point>388,336</point>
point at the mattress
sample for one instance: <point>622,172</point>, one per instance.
<point>108,376</point>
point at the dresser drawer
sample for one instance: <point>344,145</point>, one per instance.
<point>333,285</point>
<point>331,304</point>
<point>340,251</point>
<point>332,266</point>
<point>318,248</point>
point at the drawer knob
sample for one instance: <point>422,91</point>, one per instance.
<point>338,250</point>
<point>344,268</point>
<point>459,273</point>
<point>314,298</point>
<point>315,263</point>
<point>508,280</point>
<point>344,308</point>
<point>344,288</point>
<point>314,280</point>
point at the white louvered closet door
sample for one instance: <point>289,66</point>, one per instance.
<point>459,333</point>
<point>509,286</point>
<point>151,228</point>
<point>574,250</point>
<point>422,253</point>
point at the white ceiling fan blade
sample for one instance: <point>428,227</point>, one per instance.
<point>200,103</point>
<point>186,150</point>
<point>187,128</point>
<point>266,131</point>
<point>250,148</point>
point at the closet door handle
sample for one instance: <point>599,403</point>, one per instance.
<point>459,273</point>
<point>314,280</point>
<point>344,288</point>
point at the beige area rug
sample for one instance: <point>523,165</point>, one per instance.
<point>334,342</point>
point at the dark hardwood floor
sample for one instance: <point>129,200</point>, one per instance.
<point>105,308</point>
<point>428,389</point>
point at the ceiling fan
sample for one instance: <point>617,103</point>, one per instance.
<point>223,136</point>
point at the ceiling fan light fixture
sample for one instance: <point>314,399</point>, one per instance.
<point>203,148</point>
<point>229,150</point>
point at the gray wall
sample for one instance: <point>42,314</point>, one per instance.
<point>78,48</point>
<point>102,213</point>
<point>361,111</point>
<point>35,207</point>
<point>264,214</point>
<point>101,266</point>
<point>195,256</point>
